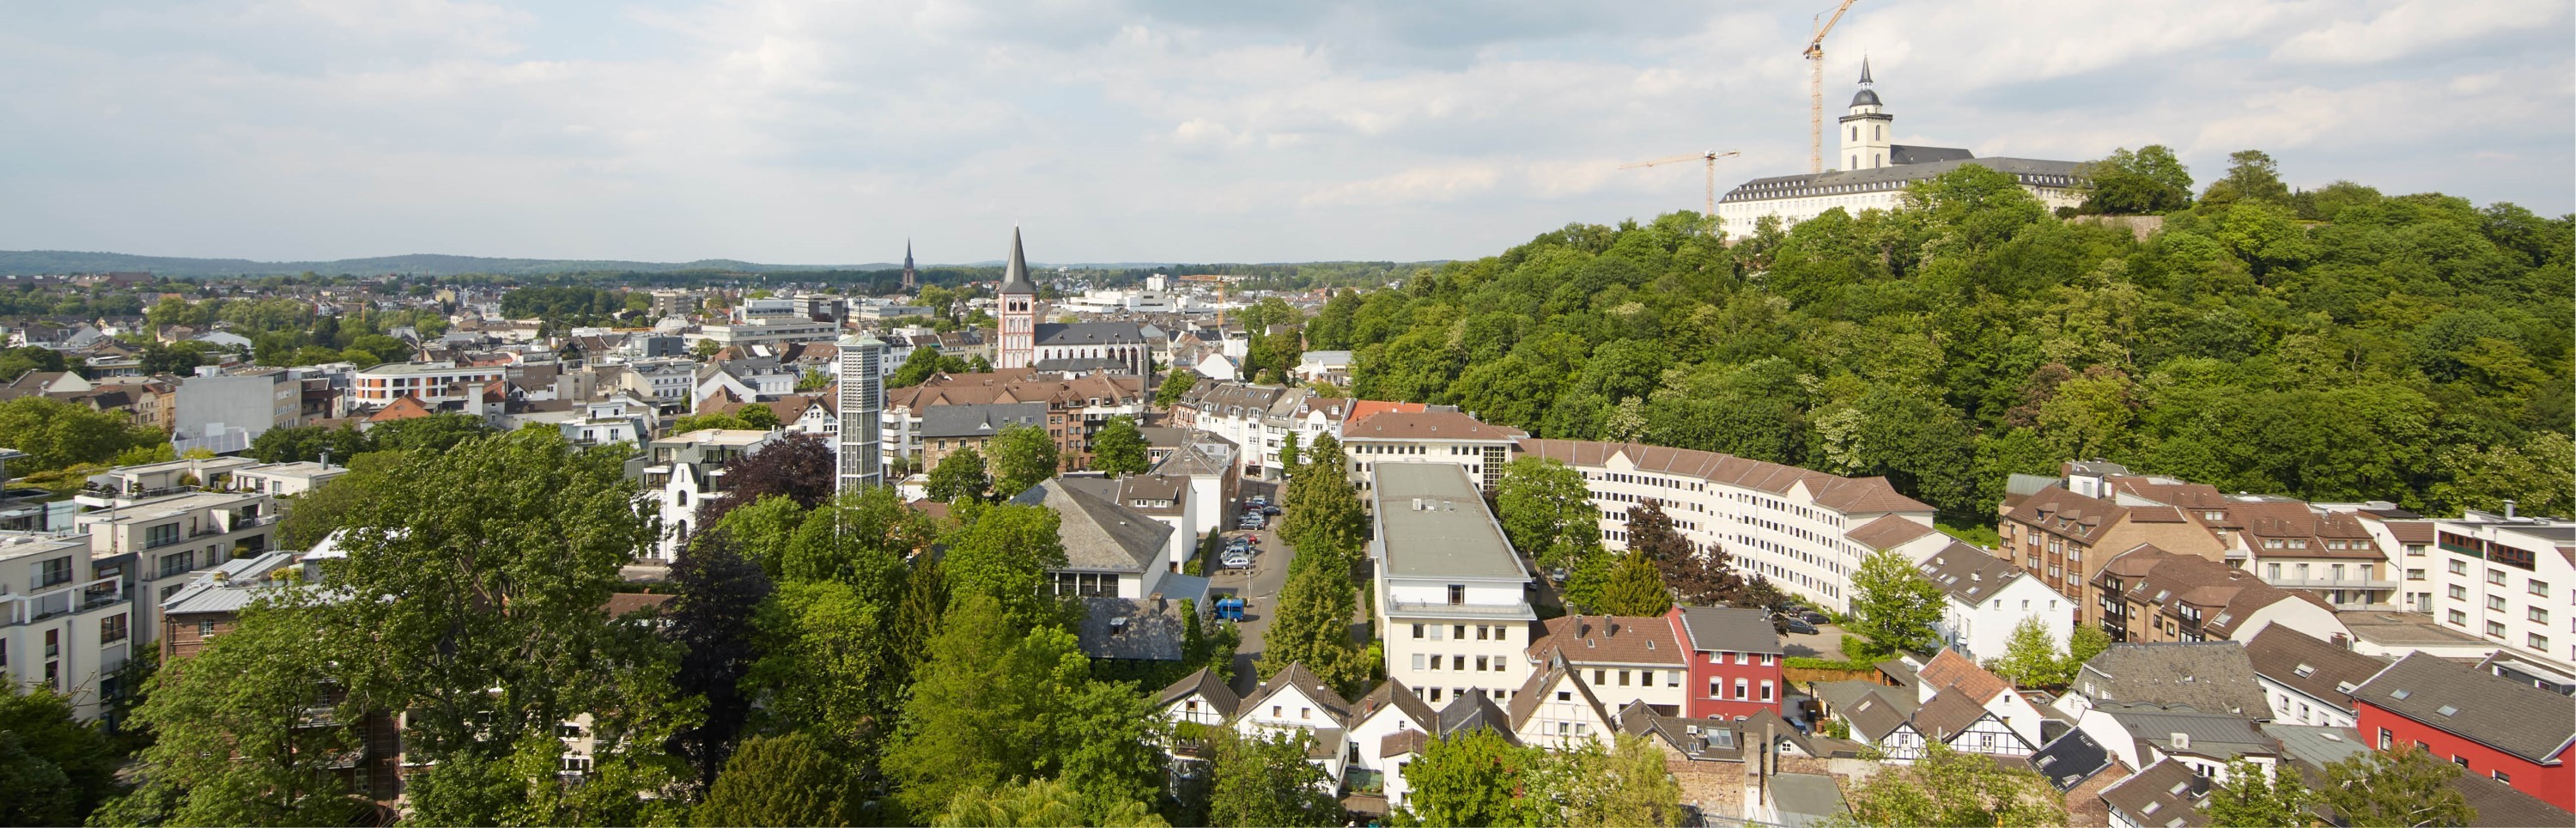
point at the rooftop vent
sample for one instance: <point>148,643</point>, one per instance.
<point>2181,741</point>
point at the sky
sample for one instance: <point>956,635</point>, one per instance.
<point>1169,130</point>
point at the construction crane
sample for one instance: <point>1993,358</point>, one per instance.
<point>1709,156</point>
<point>1816,89</point>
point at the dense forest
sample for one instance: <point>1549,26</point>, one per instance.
<point>2337,344</point>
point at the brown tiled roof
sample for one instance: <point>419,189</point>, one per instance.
<point>1947,714</point>
<point>2065,513</point>
<point>1425,425</point>
<point>621,603</point>
<point>1887,532</point>
<point>1392,693</point>
<point>1011,385</point>
<point>1848,495</point>
<point>402,408</point>
<point>2163,580</point>
<point>1951,673</point>
<point>1968,573</point>
<point>2411,531</point>
<point>1616,639</point>
<point>2165,793</point>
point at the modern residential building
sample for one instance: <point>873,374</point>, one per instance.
<point>770,331</point>
<point>2064,535</point>
<point>172,536</point>
<point>1790,525</point>
<point>284,479</point>
<point>2310,681</point>
<point>682,471</point>
<point>2510,580</point>
<point>949,429</point>
<point>2492,726</point>
<point>1735,657</point>
<point>66,616</point>
<point>438,385</point>
<point>1452,603</point>
<point>1986,599</point>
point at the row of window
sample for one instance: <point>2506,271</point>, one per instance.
<point>1484,632</point>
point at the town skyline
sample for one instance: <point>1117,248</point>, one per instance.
<point>1121,133</point>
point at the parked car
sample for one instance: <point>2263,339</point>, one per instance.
<point>1229,609</point>
<point>1813,616</point>
<point>1800,626</point>
<point>1272,511</point>
<point>1236,558</point>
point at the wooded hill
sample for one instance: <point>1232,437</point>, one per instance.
<point>2336,344</point>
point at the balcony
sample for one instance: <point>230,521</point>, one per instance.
<point>2331,583</point>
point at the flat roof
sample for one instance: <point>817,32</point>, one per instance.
<point>715,436</point>
<point>2394,628</point>
<point>22,544</point>
<point>428,368</point>
<point>1434,524</point>
<point>302,468</point>
<point>143,511</point>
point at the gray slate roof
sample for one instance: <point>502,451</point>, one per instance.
<point>980,419</point>
<point>2317,668</point>
<point>2070,760</point>
<point>1149,634</point>
<point>1099,535</point>
<point>1967,573</point>
<point>2164,793</point>
<point>1730,630</point>
<point>1090,333</point>
<point>2217,736</point>
<point>2211,677</point>
<point>2026,170</point>
<point>1807,798</point>
<point>2491,710</point>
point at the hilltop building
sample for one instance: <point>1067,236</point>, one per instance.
<point>1875,172</point>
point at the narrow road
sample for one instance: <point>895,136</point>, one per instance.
<point>1260,584</point>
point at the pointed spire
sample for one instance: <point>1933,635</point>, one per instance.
<point>1864,70</point>
<point>1015,276</point>
<point>907,254</point>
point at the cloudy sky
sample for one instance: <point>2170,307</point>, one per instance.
<point>1167,130</point>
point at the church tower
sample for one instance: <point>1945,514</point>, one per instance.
<point>1865,142</point>
<point>1017,346</point>
<point>910,280</point>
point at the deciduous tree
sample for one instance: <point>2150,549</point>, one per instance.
<point>2402,787</point>
<point>1893,606</point>
<point>783,780</point>
<point>1022,456</point>
<point>960,474</point>
<point>1266,780</point>
<point>2259,795</point>
<point>1952,788</point>
<point>1119,448</point>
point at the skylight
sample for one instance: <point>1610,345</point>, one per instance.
<point>2399,694</point>
<point>2304,670</point>
<point>2448,710</point>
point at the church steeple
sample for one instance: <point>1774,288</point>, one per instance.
<point>909,278</point>
<point>1017,325</point>
<point>1865,140</point>
<point>1015,276</point>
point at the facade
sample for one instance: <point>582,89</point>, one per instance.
<point>2309,681</point>
<point>949,429</point>
<point>1734,662</point>
<point>2144,734</point>
<point>1872,174</point>
<point>1452,602</point>
<point>1077,407</point>
<point>1790,525</point>
<point>254,402</point>
<point>1622,659</point>
<point>1986,599</point>
<point>434,384</point>
<point>1446,437</point>
<point>2492,726</point>
<point>2063,536</point>
<point>858,453</point>
<point>682,471</point>
<point>66,616</point>
<point>284,479</point>
<point>173,536</point>
<point>2510,580</point>
<point>771,331</point>
<point>2147,594</point>
<point>1110,551</point>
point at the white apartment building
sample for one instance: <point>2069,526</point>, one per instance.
<point>682,471</point>
<point>173,536</point>
<point>1985,599</point>
<point>1446,437</point>
<point>286,478</point>
<point>2509,580</point>
<point>66,616</point>
<point>432,383</point>
<point>667,382</point>
<point>1452,602</point>
<point>1791,525</point>
<point>1241,413</point>
<point>771,331</point>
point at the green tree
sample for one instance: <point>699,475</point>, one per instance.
<point>2403,788</point>
<point>1321,512</point>
<point>315,514</point>
<point>2150,180</point>
<point>59,767</point>
<point>1003,553</point>
<point>2030,657</point>
<point>1288,455</point>
<point>716,597</point>
<point>56,434</point>
<point>2258,795</point>
<point>2085,642</point>
<point>2251,175</point>
<point>1176,384</point>
<point>1952,788</point>
<point>232,744</point>
<point>1119,448</point>
<point>825,666</point>
<point>2535,475</point>
<point>782,780</point>
<point>1546,510</point>
<point>434,433</point>
<point>1474,778</point>
<point>916,369</point>
<point>1622,786</point>
<point>1893,606</point>
<point>494,559</point>
<point>1312,625</point>
<point>1037,803</point>
<point>705,349</point>
<point>1266,780</point>
<point>1022,455</point>
<point>758,416</point>
<point>1635,588</point>
<point>960,474</point>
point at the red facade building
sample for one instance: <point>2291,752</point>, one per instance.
<point>1734,661</point>
<point>2495,727</point>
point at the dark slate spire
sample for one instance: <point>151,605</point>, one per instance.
<point>1015,277</point>
<point>907,254</point>
<point>1864,70</point>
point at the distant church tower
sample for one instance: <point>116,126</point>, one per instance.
<point>1865,142</point>
<point>910,280</point>
<point>857,460</point>
<point>1018,346</point>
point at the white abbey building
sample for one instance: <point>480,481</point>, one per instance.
<point>1875,172</point>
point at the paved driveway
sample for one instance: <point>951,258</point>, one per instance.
<point>1826,644</point>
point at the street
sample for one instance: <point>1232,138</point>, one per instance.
<point>1259,585</point>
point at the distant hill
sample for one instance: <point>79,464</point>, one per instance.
<point>67,261</point>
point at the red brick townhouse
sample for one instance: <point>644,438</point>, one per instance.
<point>1734,663</point>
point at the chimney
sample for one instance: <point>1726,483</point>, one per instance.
<point>2508,508</point>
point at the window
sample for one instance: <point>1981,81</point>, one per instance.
<point>1480,664</point>
<point>1740,658</point>
<point>1480,632</point>
<point>2496,577</point>
<point>1600,678</point>
<point>1439,632</point>
<point>2387,739</point>
<point>1458,631</point>
<point>2458,618</point>
<point>2495,629</point>
<point>1435,694</point>
<point>2540,588</point>
<point>1435,662</point>
<point>1457,593</point>
<point>2495,603</point>
<point>1457,662</point>
<point>111,629</point>
<point>2501,776</point>
<point>1417,631</point>
<point>1740,690</point>
<point>1277,710</point>
<point>1766,691</point>
<point>2536,641</point>
<point>2459,593</point>
<point>1716,688</point>
<point>56,571</point>
<point>1417,661</point>
<point>2537,615</point>
<point>1623,678</point>
<point>2459,567</point>
<point>162,535</point>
